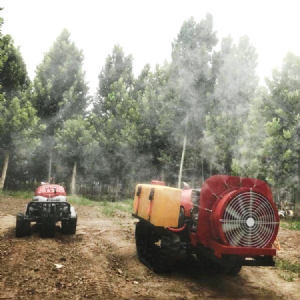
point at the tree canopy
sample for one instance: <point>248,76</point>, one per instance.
<point>207,99</point>
<point>17,115</point>
<point>60,93</point>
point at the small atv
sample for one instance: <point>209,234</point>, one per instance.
<point>48,206</point>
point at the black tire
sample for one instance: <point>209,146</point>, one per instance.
<point>22,226</point>
<point>234,265</point>
<point>233,270</point>
<point>47,228</point>
<point>72,224</point>
<point>69,226</point>
<point>65,226</point>
<point>207,264</point>
<point>158,252</point>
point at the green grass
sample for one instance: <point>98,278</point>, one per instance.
<point>291,270</point>
<point>286,265</point>
<point>290,224</point>
<point>18,194</point>
<point>287,276</point>
<point>109,208</point>
<point>82,201</point>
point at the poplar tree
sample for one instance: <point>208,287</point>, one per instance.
<point>76,146</point>
<point>234,90</point>
<point>282,144</point>
<point>17,115</point>
<point>115,115</point>
<point>60,92</point>
<point>153,143</point>
<point>186,96</point>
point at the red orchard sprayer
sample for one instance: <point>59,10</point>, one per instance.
<point>231,221</point>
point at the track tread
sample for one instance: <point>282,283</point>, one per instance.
<point>160,258</point>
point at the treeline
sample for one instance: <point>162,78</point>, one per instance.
<point>133,129</point>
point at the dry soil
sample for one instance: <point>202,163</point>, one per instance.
<point>100,262</point>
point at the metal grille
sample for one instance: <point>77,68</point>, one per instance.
<point>249,220</point>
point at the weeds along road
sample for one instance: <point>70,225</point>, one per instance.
<point>100,262</point>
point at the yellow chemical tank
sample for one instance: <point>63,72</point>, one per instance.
<point>160,205</point>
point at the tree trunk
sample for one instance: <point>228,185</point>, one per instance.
<point>181,162</point>
<point>228,162</point>
<point>162,175</point>
<point>73,181</point>
<point>50,167</point>
<point>202,171</point>
<point>4,170</point>
<point>117,189</point>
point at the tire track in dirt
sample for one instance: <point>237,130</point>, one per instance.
<point>99,271</point>
<point>190,280</point>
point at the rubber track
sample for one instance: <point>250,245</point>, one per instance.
<point>158,258</point>
<point>168,253</point>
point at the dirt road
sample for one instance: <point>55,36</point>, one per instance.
<point>100,262</point>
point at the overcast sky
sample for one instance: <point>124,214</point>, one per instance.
<point>146,29</point>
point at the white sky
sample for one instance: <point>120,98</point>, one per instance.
<point>146,29</point>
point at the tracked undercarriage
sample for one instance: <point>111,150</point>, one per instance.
<point>158,249</point>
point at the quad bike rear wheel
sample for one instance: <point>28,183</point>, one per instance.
<point>22,226</point>
<point>48,227</point>
<point>156,250</point>
<point>69,226</point>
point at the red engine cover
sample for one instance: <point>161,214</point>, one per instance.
<point>237,212</point>
<point>50,190</point>
<point>186,202</point>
